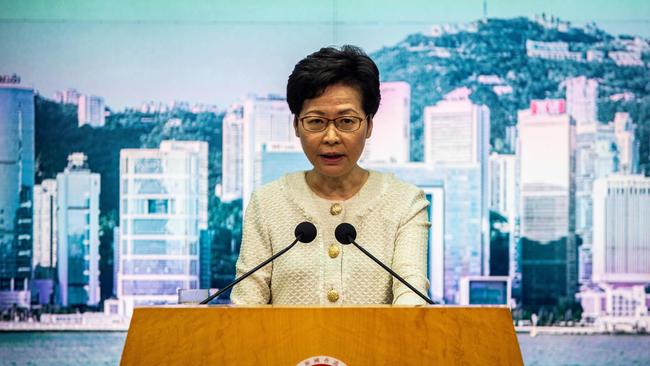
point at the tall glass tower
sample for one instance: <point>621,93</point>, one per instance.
<point>78,233</point>
<point>16,184</point>
<point>549,252</point>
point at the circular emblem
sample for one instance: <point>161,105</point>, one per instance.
<point>321,361</point>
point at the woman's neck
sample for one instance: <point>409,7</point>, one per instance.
<point>337,188</point>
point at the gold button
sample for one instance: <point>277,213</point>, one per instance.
<point>334,250</point>
<point>336,209</point>
<point>332,296</point>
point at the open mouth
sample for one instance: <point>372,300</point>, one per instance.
<point>331,157</point>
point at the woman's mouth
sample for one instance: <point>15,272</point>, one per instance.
<point>331,158</point>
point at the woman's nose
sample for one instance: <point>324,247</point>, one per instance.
<point>331,134</point>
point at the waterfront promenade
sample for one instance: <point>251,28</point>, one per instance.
<point>98,322</point>
<point>87,322</point>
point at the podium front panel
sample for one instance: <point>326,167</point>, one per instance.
<point>289,335</point>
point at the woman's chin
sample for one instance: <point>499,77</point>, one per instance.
<point>332,170</point>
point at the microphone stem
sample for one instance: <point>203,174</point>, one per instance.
<point>429,301</point>
<point>212,297</point>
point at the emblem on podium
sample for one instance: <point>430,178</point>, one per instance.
<point>321,361</point>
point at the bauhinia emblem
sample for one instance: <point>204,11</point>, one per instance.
<point>321,361</point>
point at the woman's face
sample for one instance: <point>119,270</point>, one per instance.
<point>334,153</point>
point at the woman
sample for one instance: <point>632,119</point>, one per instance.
<point>333,95</point>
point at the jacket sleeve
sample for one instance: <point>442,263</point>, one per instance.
<point>255,248</point>
<point>410,256</point>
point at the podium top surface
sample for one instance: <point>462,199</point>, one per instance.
<point>354,335</point>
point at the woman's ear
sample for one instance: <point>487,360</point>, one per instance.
<point>295,126</point>
<point>369,130</point>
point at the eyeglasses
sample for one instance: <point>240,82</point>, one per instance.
<point>343,123</point>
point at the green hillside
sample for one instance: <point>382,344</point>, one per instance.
<point>435,65</point>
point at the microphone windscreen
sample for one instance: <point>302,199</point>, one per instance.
<point>305,232</point>
<point>345,233</point>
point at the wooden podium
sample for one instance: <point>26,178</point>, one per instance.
<point>310,336</point>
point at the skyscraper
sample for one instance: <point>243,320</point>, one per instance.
<point>596,156</point>
<point>16,184</point>
<point>264,120</point>
<point>621,247</point>
<point>503,195</point>
<point>45,242</point>
<point>457,134</point>
<point>71,96</point>
<point>232,154</point>
<point>91,111</point>
<point>503,184</point>
<point>78,233</point>
<point>582,100</point>
<point>581,103</point>
<point>626,143</point>
<point>45,225</point>
<point>389,142</point>
<point>621,251</point>
<point>547,223</point>
<point>163,209</point>
<point>456,130</point>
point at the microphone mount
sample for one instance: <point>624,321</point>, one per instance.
<point>305,233</point>
<point>346,234</point>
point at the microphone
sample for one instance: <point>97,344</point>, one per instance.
<point>346,234</point>
<point>305,233</point>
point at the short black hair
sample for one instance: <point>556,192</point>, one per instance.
<point>328,66</point>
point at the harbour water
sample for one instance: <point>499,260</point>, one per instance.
<point>104,348</point>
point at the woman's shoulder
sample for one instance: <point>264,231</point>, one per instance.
<point>400,188</point>
<point>277,189</point>
<point>393,198</point>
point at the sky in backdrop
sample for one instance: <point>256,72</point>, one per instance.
<point>217,52</point>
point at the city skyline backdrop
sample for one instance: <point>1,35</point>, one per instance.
<point>468,112</point>
<point>133,133</point>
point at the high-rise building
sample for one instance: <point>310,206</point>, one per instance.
<point>581,100</point>
<point>456,130</point>
<point>116,257</point>
<point>502,186</point>
<point>626,143</point>
<point>71,96</point>
<point>163,209</point>
<point>547,223</point>
<point>596,156</point>
<point>279,158</point>
<point>621,250</point>
<point>45,242</point>
<point>457,133</point>
<point>45,226</point>
<point>78,233</point>
<point>503,195</point>
<point>232,167</point>
<point>264,120</point>
<point>16,185</point>
<point>91,111</point>
<point>389,142</point>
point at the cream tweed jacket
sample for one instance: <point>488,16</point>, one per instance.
<point>391,220</point>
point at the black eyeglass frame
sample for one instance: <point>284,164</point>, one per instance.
<point>333,120</point>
